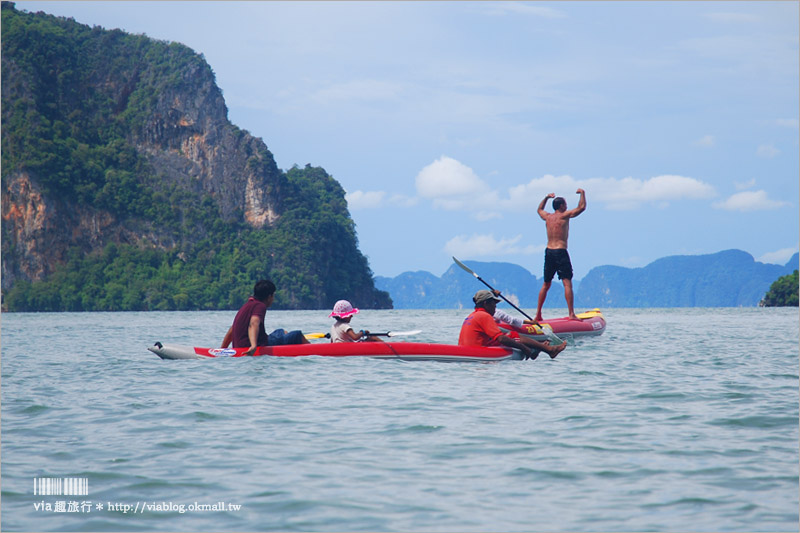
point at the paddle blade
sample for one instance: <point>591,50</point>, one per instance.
<point>400,333</point>
<point>396,333</point>
<point>310,336</point>
<point>465,267</point>
<point>551,336</point>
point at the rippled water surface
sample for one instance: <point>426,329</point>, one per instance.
<point>676,419</point>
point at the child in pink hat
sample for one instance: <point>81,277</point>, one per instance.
<point>342,331</point>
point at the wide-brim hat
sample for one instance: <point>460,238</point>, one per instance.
<point>343,309</point>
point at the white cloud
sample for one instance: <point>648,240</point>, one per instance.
<point>520,8</point>
<point>483,216</point>
<point>364,199</point>
<point>742,49</point>
<point>358,91</point>
<point>486,245</point>
<point>749,201</point>
<point>707,141</point>
<point>617,194</point>
<point>401,200</point>
<point>378,199</point>
<point>745,185</point>
<point>662,188</point>
<point>767,150</point>
<point>779,257</point>
<point>448,177</point>
<point>787,122</point>
<point>658,189</point>
<point>728,17</point>
<point>528,195</point>
<point>453,186</point>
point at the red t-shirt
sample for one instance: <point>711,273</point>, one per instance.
<point>241,324</point>
<point>479,329</point>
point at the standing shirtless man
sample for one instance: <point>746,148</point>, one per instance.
<point>556,257</point>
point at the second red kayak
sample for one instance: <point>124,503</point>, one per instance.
<point>591,323</point>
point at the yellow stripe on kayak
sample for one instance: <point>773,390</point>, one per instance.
<point>533,329</point>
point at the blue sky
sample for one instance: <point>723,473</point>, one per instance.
<point>448,122</point>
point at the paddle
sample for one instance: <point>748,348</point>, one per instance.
<point>385,334</point>
<point>546,329</point>
<point>396,333</point>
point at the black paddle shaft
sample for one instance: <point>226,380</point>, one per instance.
<point>465,267</point>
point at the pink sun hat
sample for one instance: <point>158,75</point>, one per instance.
<point>343,309</point>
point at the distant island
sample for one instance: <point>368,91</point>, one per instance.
<point>730,278</point>
<point>783,293</point>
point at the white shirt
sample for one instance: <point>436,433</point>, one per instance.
<point>501,316</point>
<point>339,331</point>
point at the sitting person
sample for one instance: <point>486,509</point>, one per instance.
<point>248,326</point>
<point>480,329</point>
<point>342,331</point>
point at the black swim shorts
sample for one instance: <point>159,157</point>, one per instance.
<point>557,260</point>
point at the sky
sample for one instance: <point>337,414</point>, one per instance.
<point>447,123</point>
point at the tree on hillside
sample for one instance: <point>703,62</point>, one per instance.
<point>783,292</point>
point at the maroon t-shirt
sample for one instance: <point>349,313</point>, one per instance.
<point>241,323</point>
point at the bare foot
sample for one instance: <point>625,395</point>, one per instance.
<point>573,316</point>
<point>557,350</point>
<point>538,318</point>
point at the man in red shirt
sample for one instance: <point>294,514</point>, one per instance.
<point>248,325</point>
<point>480,329</point>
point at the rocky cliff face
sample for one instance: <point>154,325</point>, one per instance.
<point>38,230</point>
<point>114,138</point>
<point>185,137</point>
<point>188,137</point>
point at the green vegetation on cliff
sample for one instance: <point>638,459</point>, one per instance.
<point>59,124</point>
<point>218,271</point>
<point>783,292</point>
<point>87,116</point>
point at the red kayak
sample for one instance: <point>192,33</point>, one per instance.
<point>408,351</point>
<point>591,323</point>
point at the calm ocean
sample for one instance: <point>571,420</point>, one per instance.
<point>673,420</point>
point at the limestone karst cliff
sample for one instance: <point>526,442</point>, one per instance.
<point>119,142</point>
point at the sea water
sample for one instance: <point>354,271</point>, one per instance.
<point>672,420</point>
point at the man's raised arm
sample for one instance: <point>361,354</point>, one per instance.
<point>581,205</point>
<point>541,211</point>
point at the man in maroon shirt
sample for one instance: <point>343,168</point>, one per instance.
<point>248,326</point>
